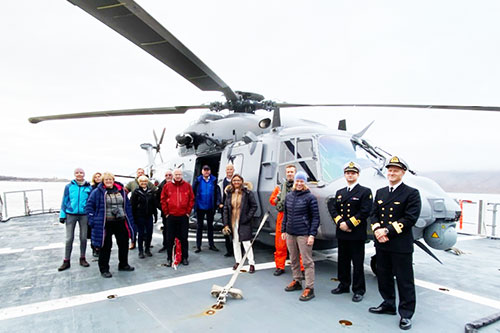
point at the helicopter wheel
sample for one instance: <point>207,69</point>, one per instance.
<point>373,264</point>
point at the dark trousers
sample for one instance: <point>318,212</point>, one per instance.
<point>352,251</point>
<point>177,226</point>
<point>117,228</point>
<point>390,264</point>
<point>200,216</point>
<point>229,244</point>
<point>164,231</point>
<point>145,229</point>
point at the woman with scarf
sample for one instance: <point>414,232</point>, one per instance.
<point>143,203</point>
<point>239,208</point>
<point>110,213</point>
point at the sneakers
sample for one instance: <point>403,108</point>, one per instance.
<point>95,253</point>
<point>252,269</point>
<point>65,265</point>
<point>84,262</point>
<point>278,272</point>
<point>294,285</point>
<point>235,266</point>
<point>307,294</point>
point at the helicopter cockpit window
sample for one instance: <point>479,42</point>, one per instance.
<point>335,151</point>
<point>299,152</point>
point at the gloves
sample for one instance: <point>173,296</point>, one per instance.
<point>62,220</point>
<point>226,231</point>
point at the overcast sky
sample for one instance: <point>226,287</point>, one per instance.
<point>58,59</point>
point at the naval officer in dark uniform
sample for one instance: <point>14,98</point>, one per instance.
<point>395,211</point>
<point>349,210</point>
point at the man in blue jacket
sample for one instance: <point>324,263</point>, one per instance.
<point>73,204</point>
<point>207,199</point>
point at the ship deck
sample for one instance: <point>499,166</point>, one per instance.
<point>36,297</point>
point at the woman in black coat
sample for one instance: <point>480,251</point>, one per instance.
<point>239,208</point>
<point>143,201</point>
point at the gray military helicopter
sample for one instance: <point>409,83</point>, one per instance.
<point>261,143</point>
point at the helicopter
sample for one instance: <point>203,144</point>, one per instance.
<point>260,145</point>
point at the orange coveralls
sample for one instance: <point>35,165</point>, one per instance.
<point>279,243</point>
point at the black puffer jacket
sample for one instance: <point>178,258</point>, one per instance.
<point>301,214</point>
<point>143,203</point>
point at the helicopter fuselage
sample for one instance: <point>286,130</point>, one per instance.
<point>261,154</point>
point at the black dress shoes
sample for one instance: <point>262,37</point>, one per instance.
<point>357,298</point>
<point>382,309</point>
<point>185,262</point>
<point>228,254</point>
<point>338,291</point>
<point>106,275</point>
<point>169,263</point>
<point>198,250</point>
<point>127,268</point>
<point>163,249</point>
<point>278,272</point>
<point>405,324</point>
<point>213,248</point>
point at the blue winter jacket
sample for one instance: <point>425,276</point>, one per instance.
<point>301,214</point>
<point>204,202</point>
<point>75,198</point>
<point>96,210</point>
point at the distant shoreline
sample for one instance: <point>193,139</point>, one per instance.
<point>32,179</point>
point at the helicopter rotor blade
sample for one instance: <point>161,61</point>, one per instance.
<point>410,106</point>
<point>116,113</point>
<point>162,136</point>
<point>134,23</point>
<point>156,138</point>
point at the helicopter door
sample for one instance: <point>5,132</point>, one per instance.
<point>246,159</point>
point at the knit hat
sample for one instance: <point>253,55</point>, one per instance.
<point>301,175</point>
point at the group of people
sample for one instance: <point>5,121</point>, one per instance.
<point>104,207</point>
<point>391,215</point>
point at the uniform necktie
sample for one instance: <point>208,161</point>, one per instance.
<point>391,189</point>
<point>348,189</point>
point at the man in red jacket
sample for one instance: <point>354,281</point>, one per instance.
<point>177,201</point>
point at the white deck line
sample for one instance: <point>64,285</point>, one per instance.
<point>8,250</point>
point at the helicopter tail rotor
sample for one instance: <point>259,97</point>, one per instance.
<point>158,143</point>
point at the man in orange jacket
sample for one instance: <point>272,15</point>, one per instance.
<point>278,199</point>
